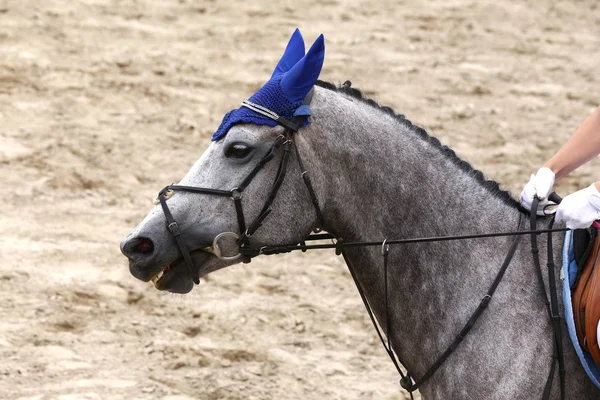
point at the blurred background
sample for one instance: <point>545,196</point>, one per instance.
<point>102,103</point>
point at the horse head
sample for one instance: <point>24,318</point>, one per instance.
<point>236,194</point>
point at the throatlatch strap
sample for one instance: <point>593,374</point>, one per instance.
<point>311,190</point>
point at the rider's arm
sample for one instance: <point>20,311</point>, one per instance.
<point>579,209</point>
<point>579,149</point>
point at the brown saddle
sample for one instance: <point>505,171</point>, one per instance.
<point>586,302</point>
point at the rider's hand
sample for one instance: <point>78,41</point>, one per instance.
<point>540,184</point>
<point>580,209</point>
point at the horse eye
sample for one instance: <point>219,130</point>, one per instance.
<point>238,150</point>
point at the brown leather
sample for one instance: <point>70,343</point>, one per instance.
<point>592,314</point>
<point>586,303</point>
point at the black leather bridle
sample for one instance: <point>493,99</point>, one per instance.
<point>246,252</point>
<point>285,141</point>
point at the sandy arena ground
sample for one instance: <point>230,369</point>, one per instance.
<point>104,102</point>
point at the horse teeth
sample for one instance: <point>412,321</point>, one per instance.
<point>156,277</point>
<point>159,275</point>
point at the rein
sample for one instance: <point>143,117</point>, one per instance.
<point>406,381</point>
<point>247,252</point>
<point>552,305</point>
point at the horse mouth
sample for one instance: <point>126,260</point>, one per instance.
<point>175,277</point>
<point>161,274</point>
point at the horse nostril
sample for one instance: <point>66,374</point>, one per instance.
<point>145,245</point>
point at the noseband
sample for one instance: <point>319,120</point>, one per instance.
<point>285,141</point>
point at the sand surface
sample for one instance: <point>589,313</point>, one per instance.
<point>104,102</point>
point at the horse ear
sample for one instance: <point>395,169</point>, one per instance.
<point>298,81</point>
<point>292,54</point>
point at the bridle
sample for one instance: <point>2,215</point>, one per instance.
<point>284,141</point>
<point>246,252</point>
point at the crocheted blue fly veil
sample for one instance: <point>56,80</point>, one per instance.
<point>293,77</point>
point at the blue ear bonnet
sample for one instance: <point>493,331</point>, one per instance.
<point>292,80</point>
<point>270,96</point>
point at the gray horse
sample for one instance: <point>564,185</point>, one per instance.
<point>378,176</point>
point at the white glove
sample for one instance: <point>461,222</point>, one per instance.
<point>580,209</point>
<point>539,184</point>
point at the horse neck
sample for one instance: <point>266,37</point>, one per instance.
<point>377,177</point>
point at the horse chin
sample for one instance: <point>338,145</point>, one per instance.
<point>176,278</point>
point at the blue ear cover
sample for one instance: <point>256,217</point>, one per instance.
<point>293,78</point>
<point>292,54</point>
<point>298,81</point>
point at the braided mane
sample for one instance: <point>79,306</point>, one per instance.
<point>490,185</point>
